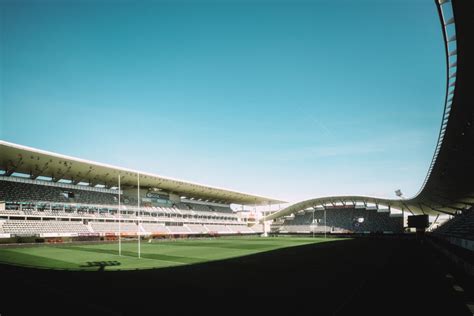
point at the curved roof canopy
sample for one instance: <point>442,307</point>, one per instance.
<point>449,184</point>
<point>35,162</point>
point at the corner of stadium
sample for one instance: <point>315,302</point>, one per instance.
<point>84,237</point>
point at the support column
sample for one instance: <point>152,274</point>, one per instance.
<point>138,213</point>
<point>265,233</point>
<point>120,218</point>
<point>325,223</point>
<point>403,219</point>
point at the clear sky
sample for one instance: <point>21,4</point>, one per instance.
<point>287,99</point>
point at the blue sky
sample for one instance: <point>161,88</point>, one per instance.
<point>287,99</point>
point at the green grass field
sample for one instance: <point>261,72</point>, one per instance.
<point>158,254</point>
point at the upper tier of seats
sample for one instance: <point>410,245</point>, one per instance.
<point>41,199</point>
<point>18,191</point>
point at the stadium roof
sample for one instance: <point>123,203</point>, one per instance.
<point>449,184</point>
<point>34,162</point>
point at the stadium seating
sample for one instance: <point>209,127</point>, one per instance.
<point>197,228</point>
<point>155,228</point>
<point>82,201</point>
<point>32,227</point>
<point>17,191</point>
<point>343,220</point>
<point>176,229</point>
<point>106,227</point>
<point>240,229</point>
<point>32,207</point>
<point>460,226</point>
<point>219,229</point>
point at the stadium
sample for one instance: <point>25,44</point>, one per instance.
<point>86,237</point>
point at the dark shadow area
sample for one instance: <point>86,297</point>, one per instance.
<point>100,264</point>
<point>359,276</point>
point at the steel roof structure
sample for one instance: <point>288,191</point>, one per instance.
<point>34,162</point>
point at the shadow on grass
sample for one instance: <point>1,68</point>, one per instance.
<point>100,264</point>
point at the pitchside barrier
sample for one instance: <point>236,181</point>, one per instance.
<point>54,240</point>
<point>88,235</point>
<point>159,236</point>
<point>58,235</point>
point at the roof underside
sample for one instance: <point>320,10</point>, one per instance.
<point>21,159</point>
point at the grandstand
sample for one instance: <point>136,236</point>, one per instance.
<point>40,203</point>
